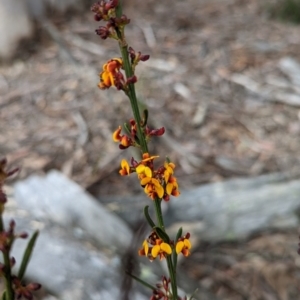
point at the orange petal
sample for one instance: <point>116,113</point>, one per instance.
<point>116,135</point>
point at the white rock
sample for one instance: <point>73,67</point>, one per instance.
<point>60,200</point>
<point>14,25</point>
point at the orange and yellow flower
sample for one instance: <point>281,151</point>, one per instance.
<point>184,245</point>
<point>152,186</point>
<point>111,73</point>
<point>125,168</point>
<point>157,248</point>
<point>170,180</point>
<point>161,249</point>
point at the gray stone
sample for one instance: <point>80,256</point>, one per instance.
<point>231,209</point>
<point>67,267</point>
<point>15,24</point>
<point>58,199</point>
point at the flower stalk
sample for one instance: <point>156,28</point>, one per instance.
<point>159,184</point>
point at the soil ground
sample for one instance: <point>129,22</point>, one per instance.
<point>53,116</point>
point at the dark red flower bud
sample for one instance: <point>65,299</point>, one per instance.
<point>125,20</point>
<point>3,198</point>
<point>103,32</point>
<point>131,54</point>
<point>132,79</point>
<point>97,17</point>
<point>157,132</point>
<point>12,225</point>
<point>34,286</point>
<point>111,4</point>
<point>12,261</point>
<point>166,197</point>
<point>134,163</point>
<point>144,57</point>
<point>23,235</point>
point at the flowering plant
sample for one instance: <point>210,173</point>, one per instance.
<point>15,288</point>
<point>159,183</point>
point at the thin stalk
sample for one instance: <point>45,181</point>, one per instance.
<point>159,215</point>
<point>143,143</point>
<point>1,223</point>
<point>172,274</point>
<point>7,277</point>
<point>132,96</point>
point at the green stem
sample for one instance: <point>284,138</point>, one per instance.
<point>143,143</point>
<point>172,274</point>
<point>159,215</point>
<point>133,98</point>
<point>7,276</point>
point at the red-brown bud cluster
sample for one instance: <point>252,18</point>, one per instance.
<point>24,290</point>
<point>103,32</point>
<point>137,56</point>
<point>106,10</point>
<point>163,289</point>
<point>102,9</point>
<point>132,139</point>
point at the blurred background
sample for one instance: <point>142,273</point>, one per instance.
<point>223,79</point>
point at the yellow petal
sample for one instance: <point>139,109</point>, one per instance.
<point>145,180</point>
<point>187,244</point>
<point>140,169</point>
<point>148,172</point>
<point>146,247</point>
<point>119,60</point>
<point>125,165</point>
<point>149,158</point>
<point>169,188</point>
<point>179,247</point>
<point>166,248</point>
<point>167,176</point>
<point>160,191</point>
<point>155,251</point>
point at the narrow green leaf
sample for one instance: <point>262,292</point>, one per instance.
<point>145,118</point>
<point>162,234</point>
<point>141,281</point>
<point>4,296</point>
<point>27,254</point>
<point>147,216</point>
<point>137,140</point>
<point>179,234</point>
<point>193,295</point>
<point>127,128</point>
